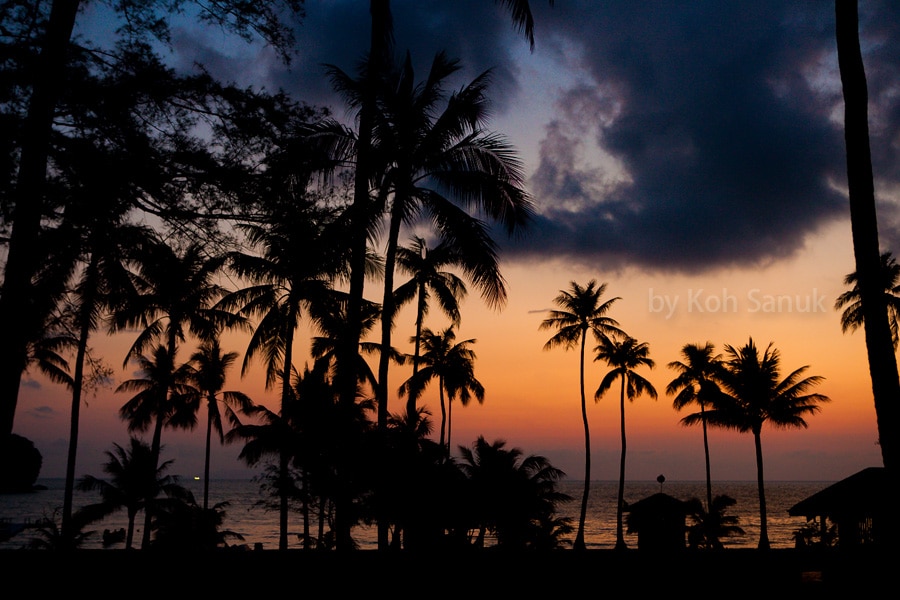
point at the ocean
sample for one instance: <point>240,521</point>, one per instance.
<point>258,525</point>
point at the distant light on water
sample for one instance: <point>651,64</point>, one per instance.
<point>196,478</point>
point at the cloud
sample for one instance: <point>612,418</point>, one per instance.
<point>687,135</point>
<point>714,124</point>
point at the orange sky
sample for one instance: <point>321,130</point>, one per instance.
<point>532,395</point>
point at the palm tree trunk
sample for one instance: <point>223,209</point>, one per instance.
<point>443,413</point>
<point>763,518</point>
<point>449,423</point>
<point>582,516</point>
<point>22,257</point>
<point>75,417</point>
<point>420,312</point>
<point>864,224</point>
<point>706,455</point>
<point>379,53</point>
<point>155,446</point>
<point>384,360</point>
<point>209,421</point>
<point>620,500</point>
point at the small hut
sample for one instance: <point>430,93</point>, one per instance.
<point>857,506</point>
<point>659,521</point>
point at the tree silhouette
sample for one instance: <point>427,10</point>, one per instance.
<point>864,227</point>
<point>581,310</point>
<point>851,302</point>
<point>708,527</point>
<point>425,266</point>
<point>513,496</point>
<point>452,363</point>
<point>696,383</point>
<point>135,479</point>
<point>210,366</point>
<point>624,356</point>
<point>754,395</point>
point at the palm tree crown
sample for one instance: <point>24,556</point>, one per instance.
<point>851,302</point>
<point>696,384</point>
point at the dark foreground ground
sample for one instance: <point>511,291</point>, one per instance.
<point>733,573</point>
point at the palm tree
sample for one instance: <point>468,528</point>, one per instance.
<point>210,367</point>
<point>864,226</point>
<point>513,496</point>
<point>301,255</point>
<point>379,58</point>
<point>624,356</point>
<point>134,480</point>
<point>754,395</point>
<point>581,310</point>
<point>452,363</point>
<point>100,289</point>
<point>436,163</point>
<point>176,292</point>
<point>710,525</point>
<point>850,301</point>
<point>163,398</point>
<point>427,277</point>
<point>696,383</point>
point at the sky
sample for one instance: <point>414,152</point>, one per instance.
<point>689,155</point>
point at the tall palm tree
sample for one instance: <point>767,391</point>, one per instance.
<point>696,383</point>
<point>436,161</point>
<point>864,226</point>
<point>425,265</point>
<point>755,395</point>
<point>210,367</point>
<point>380,54</point>
<point>134,480</point>
<point>378,64</point>
<point>101,287</point>
<point>581,310</point>
<point>624,356</point>
<point>176,295</point>
<point>300,256</point>
<point>452,363</point>
<point>851,300</point>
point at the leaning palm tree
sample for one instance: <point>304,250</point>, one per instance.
<point>452,363</point>
<point>624,356</point>
<point>581,310</point>
<point>851,300</point>
<point>210,366</point>
<point>754,395</point>
<point>696,383</point>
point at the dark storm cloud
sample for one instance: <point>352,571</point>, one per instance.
<point>700,133</point>
<point>717,112</point>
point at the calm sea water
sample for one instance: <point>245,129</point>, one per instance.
<point>258,525</point>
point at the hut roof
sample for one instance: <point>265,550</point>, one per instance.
<point>864,492</point>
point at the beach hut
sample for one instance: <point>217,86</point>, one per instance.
<point>659,521</point>
<point>857,506</point>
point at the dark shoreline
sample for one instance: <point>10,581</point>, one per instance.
<point>730,573</point>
